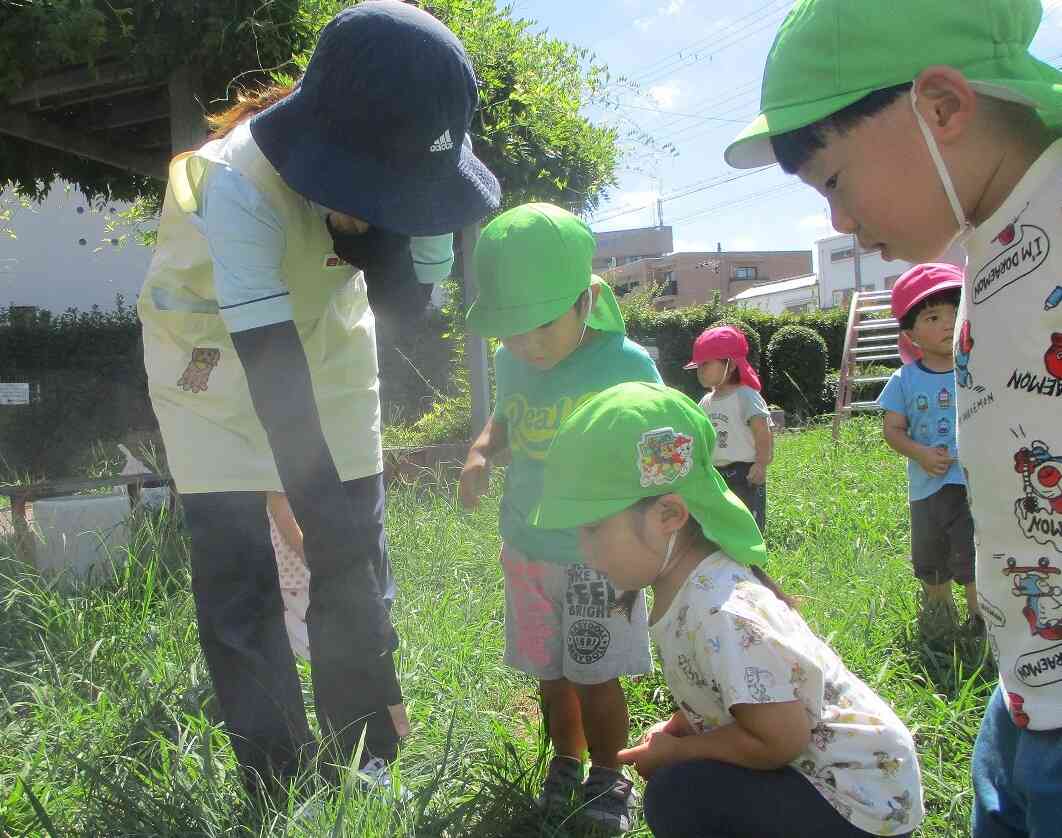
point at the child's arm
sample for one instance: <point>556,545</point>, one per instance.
<point>284,518</point>
<point>475,475</point>
<point>763,737</point>
<point>935,461</point>
<point>764,439</point>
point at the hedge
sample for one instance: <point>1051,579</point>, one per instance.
<point>673,331</point>
<point>89,384</point>
<point>796,360</point>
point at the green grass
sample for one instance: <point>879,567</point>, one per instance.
<point>107,725</point>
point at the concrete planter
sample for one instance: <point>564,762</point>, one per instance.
<point>80,539</point>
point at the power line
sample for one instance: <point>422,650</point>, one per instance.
<point>736,202</point>
<point>742,22</point>
<point>702,117</point>
<point>683,192</point>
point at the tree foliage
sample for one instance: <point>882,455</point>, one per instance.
<point>220,38</point>
<point>530,130</point>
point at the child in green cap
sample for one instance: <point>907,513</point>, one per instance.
<point>563,340</point>
<point>924,124</point>
<point>773,737</point>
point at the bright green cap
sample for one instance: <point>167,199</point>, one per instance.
<point>532,263</point>
<point>639,440</point>
<point>829,54</point>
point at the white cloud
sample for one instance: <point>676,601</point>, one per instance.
<point>744,243</point>
<point>665,94</point>
<point>668,8</point>
<point>818,226</point>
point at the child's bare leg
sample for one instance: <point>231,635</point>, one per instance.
<point>605,721</point>
<point>971,599</point>
<point>937,593</point>
<point>565,717</point>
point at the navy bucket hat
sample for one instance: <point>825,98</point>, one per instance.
<point>378,126</point>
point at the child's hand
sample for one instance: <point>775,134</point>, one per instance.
<point>475,479</point>
<point>757,474</point>
<point>935,461</point>
<point>677,725</point>
<point>657,750</point>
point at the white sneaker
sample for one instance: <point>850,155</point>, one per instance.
<point>376,775</point>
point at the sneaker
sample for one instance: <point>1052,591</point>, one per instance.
<point>563,783</point>
<point>609,797</point>
<point>938,622</point>
<point>375,775</point>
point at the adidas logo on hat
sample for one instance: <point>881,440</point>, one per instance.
<point>444,143</point>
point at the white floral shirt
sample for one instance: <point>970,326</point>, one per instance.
<point>726,640</point>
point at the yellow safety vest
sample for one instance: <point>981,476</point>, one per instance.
<point>214,441</point>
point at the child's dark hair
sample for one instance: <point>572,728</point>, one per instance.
<point>949,295</point>
<point>795,148</point>
<point>692,529</point>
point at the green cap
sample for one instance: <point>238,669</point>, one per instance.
<point>639,440</point>
<point>829,54</point>
<point>532,263</point>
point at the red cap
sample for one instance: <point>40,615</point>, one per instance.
<point>915,285</point>
<point>725,342</point>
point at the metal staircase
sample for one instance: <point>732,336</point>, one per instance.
<point>869,340</point>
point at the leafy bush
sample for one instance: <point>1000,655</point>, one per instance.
<point>796,359</point>
<point>672,332</point>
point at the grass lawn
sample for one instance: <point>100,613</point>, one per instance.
<point>107,726</point>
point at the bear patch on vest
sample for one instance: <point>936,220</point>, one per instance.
<point>196,375</point>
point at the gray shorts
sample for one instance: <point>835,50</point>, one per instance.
<point>942,537</point>
<point>565,621</point>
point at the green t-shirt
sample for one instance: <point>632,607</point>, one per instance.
<point>532,403</point>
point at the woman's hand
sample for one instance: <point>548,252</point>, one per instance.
<point>657,750</point>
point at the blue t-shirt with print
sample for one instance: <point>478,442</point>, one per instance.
<point>927,399</point>
<point>532,403</point>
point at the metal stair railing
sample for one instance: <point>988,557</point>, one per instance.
<point>869,339</point>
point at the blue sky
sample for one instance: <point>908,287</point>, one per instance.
<point>699,65</point>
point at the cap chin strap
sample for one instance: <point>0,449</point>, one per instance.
<point>965,227</point>
<point>586,321</point>
<point>668,557</point>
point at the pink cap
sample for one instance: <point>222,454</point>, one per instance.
<point>725,342</point>
<point>915,285</point>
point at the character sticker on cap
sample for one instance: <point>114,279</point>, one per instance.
<point>664,456</point>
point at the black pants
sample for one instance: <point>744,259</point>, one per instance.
<point>752,495</point>
<point>241,630</point>
<point>707,799</point>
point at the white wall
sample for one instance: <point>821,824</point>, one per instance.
<point>780,301</point>
<point>47,266</point>
<point>838,277</point>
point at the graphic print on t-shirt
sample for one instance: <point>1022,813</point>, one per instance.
<point>1038,509</point>
<point>963,349</point>
<point>1037,586</point>
<point>1026,247</point>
